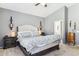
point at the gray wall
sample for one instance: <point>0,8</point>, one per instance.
<point>21,19</point>
<point>57,15</point>
<point>49,21</point>
<point>18,19</point>
<point>73,15</point>
<point>66,23</point>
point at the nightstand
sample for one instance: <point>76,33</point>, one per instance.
<point>71,38</point>
<point>9,42</point>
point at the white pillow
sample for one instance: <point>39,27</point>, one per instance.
<point>35,33</point>
<point>24,34</point>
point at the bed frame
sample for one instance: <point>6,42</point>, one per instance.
<point>39,53</point>
<point>25,27</point>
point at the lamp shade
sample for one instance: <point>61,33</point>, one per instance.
<point>40,32</point>
<point>13,34</point>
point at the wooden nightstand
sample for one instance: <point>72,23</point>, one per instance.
<point>9,42</point>
<point>71,38</point>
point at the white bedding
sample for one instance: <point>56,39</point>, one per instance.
<point>38,49</point>
<point>32,42</point>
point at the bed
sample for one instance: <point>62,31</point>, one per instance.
<point>32,44</point>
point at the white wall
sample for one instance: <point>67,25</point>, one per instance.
<point>39,10</point>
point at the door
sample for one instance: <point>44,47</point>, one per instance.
<point>58,27</point>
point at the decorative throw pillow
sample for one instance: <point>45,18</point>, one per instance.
<point>24,34</point>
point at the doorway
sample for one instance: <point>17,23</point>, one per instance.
<point>59,29</point>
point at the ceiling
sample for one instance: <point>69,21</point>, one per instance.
<point>39,10</point>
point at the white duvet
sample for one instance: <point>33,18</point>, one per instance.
<point>32,42</point>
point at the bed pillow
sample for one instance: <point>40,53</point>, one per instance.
<point>35,33</point>
<point>24,34</point>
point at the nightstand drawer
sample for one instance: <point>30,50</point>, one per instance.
<point>10,40</point>
<point>9,45</point>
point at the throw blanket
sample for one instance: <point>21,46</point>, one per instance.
<point>30,43</point>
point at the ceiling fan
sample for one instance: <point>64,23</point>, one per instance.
<point>43,4</point>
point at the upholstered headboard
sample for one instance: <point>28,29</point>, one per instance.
<point>27,28</point>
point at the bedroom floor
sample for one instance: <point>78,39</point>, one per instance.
<point>65,50</point>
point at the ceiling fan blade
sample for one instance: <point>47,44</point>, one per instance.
<point>37,4</point>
